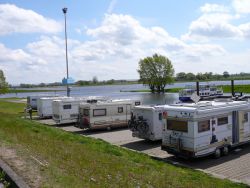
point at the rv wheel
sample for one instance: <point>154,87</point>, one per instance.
<point>217,153</point>
<point>225,150</point>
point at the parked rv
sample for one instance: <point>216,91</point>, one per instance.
<point>204,128</point>
<point>67,110</point>
<point>44,106</point>
<point>32,100</point>
<point>107,114</point>
<point>147,122</point>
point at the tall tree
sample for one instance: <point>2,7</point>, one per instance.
<point>156,72</point>
<point>3,83</point>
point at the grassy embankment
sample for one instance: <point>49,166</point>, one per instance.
<point>77,161</point>
<point>226,89</point>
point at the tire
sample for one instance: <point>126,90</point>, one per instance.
<point>217,153</point>
<point>225,150</point>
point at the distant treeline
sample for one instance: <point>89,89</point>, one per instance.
<point>181,76</point>
<point>104,82</point>
<point>208,76</point>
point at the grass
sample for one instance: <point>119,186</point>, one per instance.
<point>78,161</point>
<point>3,181</point>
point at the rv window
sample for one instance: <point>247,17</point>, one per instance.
<point>222,120</point>
<point>160,116</point>
<point>203,126</point>
<point>176,125</point>
<point>33,99</point>
<point>245,117</point>
<point>86,112</point>
<point>120,109</point>
<point>67,106</point>
<point>99,112</point>
<point>137,103</point>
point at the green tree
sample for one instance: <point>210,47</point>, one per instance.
<point>181,76</point>
<point>225,74</point>
<point>3,83</point>
<point>95,80</point>
<point>156,72</point>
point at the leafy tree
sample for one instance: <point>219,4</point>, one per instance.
<point>190,76</point>
<point>181,76</point>
<point>225,74</point>
<point>95,80</point>
<point>3,83</point>
<point>156,72</point>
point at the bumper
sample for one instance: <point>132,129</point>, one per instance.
<point>180,153</point>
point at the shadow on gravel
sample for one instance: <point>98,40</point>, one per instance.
<point>142,145</point>
<point>99,131</point>
<point>209,161</point>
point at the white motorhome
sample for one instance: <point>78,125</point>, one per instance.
<point>209,127</point>
<point>113,113</point>
<point>147,122</point>
<point>32,100</point>
<point>44,106</point>
<point>67,110</point>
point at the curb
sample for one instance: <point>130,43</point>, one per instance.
<point>14,179</point>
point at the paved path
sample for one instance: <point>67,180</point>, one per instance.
<point>235,166</point>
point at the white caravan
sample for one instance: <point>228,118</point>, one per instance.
<point>209,127</point>
<point>113,113</point>
<point>32,100</point>
<point>147,122</point>
<point>67,110</point>
<point>44,106</point>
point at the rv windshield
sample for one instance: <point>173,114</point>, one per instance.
<point>177,125</point>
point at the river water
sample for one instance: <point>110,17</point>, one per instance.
<point>114,92</point>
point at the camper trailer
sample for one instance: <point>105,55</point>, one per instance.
<point>147,122</point>
<point>67,110</point>
<point>32,100</point>
<point>208,127</point>
<point>113,113</point>
<point>44,106</point>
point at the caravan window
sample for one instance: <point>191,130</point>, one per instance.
<point>120,109</point>
<point>245,117</point>
<point>177,125</point>
<point>99,112</point>
<point>33,99</point>
<point>137,103</point>
<point>160,116</point>
<point>203,126</point>
<point>223,121</point>
<point>67,106</point>
<point>86,112</point>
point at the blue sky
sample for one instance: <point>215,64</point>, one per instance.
<point>107,38</point>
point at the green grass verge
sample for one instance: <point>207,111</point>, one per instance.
<point>78,161</point>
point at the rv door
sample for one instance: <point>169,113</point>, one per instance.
<point>128,111</point>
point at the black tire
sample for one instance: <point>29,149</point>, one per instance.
<point>225,150</point>
<point>217,153</point>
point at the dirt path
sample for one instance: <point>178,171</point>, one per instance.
<point>23,164</point>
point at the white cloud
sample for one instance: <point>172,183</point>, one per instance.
<point>241,6</point>
<point>107,55</point>
<point>208,8</point>
<point>17,20</point>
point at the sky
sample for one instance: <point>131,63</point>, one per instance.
<point>107,38</point>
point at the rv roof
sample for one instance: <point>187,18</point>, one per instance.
<point>207,105</point>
